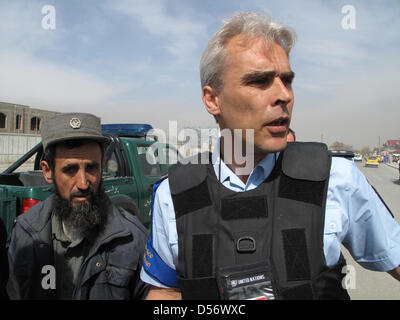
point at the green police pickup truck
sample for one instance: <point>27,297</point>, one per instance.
<point>133,164</point>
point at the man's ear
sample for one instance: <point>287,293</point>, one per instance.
<point>47,173</point>
<point>211,100</point>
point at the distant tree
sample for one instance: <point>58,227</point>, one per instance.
<point>366,150</point>
<point>340,146</point>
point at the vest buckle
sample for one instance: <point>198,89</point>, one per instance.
<point>246,244</point>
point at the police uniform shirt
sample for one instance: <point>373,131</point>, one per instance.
<point>354,216</point>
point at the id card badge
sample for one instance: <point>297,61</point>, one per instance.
<point>247,282</point>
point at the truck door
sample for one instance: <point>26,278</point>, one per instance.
<point>151,172</point>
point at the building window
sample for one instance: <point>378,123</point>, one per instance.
<point>35,124</point>
<point>2,120</point>
<point>18,122</point>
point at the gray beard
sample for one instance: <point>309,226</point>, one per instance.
<point>86,218</point>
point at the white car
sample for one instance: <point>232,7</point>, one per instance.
<point>357,157</point>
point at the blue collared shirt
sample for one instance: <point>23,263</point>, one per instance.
<point>354,217</point>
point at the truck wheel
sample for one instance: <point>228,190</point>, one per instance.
<point>124,202</point>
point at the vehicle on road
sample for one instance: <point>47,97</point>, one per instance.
<point>372,161</point>
<point>133,165</point>
<point>357,157</point>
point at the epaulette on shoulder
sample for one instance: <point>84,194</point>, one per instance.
<point>342,153</point>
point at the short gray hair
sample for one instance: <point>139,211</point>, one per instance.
<point>248,24</point>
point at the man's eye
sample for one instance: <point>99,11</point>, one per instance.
<point>262,82</point>
<point>92,167</point>
<point>69,170</point>
<point>259,81</point>
<point>287,80</point>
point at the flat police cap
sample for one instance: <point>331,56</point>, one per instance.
<point>71,126</point>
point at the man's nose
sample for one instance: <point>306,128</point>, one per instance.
<point>283,93</point>
<point>83,181</point>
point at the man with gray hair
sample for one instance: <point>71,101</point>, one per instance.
<point>76,244</point>
<point>275,232</point>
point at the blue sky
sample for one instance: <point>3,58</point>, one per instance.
<point>138,61</point>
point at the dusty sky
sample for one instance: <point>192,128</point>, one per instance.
<point>138,61</point>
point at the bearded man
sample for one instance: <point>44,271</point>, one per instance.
<point>76,244</point>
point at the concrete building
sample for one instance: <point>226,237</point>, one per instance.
<point>16,118</point>
<point>19,130</point>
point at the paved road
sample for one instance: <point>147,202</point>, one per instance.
<point>369,284</point>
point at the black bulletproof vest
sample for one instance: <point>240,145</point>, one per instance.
<point>265,243</point>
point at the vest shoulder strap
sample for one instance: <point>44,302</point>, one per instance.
<point>187,176</point>
<point>306,161</point>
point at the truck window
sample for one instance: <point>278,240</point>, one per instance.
<point>111,167</point>
<point>148,163</point>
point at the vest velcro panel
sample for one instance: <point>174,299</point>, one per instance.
<point>296,254</point>
<point>202,246</point>
<point>192,200</point>
<point>239,208</point>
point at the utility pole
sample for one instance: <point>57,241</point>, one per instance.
<point>379,145</point>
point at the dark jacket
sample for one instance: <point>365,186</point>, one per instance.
<point>3,261</point>
<point>110,271</point>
